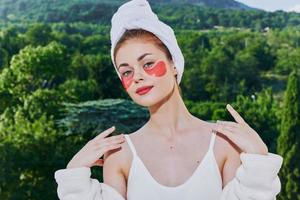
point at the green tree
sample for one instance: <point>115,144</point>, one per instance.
<point>3,59</point>
<point>88,118</point>
<point>95,44</point>
<point>102,71</point>
<point>39,34</point>
<point>78,90</point>
<point>288,60</point>
<point>260,110</point>
<point>11,41</point>
<point>216,71</point>
<point>29,153</point>
<point>260,49</point>
<point>289,140</point>
<point>32,69</point>
<point>246,74</point>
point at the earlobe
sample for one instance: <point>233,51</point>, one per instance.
<point>175,70</point>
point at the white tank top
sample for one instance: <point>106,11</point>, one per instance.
<point>204,184</point>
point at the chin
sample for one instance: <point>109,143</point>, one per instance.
<point>146,101</point>
<point>154,97</point>
<point>151,99</point>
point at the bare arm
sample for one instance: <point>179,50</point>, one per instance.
<point>112,170</point>
<point>231,164</point>
<point>256,177</point>
<point>75,182</point>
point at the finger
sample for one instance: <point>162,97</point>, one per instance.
<point>99,162</point>
<point>229,128</point>
<point>224,130</point>
<point>105,133</point>
<point>116,138</point>
<point>104,143</point>
<point>234,124</point>
<point>99,139</point>
<point>109,147</point>
<point>235,114</point>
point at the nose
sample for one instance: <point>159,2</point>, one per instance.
<point>138,75</point>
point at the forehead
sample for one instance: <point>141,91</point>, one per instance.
<point>132,49</point>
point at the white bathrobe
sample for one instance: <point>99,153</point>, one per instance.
<point>256,179</point>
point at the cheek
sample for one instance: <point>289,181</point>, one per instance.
<point>127,81</point>
<point>158,70</point>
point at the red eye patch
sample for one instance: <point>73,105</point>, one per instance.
<point>158,70</point>
<point>126,81</point>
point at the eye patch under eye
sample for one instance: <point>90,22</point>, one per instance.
<point>158,70</point>
<point>127,80</point>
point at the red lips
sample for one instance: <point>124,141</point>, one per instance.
<point>143,90</point>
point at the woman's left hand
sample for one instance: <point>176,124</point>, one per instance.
<point>241,134</point>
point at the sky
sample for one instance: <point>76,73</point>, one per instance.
<point>272,5</point>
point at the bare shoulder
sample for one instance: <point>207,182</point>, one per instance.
<point>229,157</point>
<point>231,151</point>
<point>225,144</point>
<point>116,167</point>
<point>119,159</point>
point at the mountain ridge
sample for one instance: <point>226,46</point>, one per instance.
<point>44,10</point>
<point>208,3</point>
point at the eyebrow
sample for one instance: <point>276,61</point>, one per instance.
<point>139,58</point>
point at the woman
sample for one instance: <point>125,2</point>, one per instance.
<point>174,155</point>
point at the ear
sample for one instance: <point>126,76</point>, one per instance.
<point>174,70</point>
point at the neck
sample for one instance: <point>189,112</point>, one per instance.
<point>169,116</point>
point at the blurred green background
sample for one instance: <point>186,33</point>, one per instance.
<point>58,87</point>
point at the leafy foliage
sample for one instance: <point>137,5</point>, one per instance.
<point>90,117</point>
<point>289,139</point>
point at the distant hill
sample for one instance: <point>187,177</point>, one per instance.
<point>19,8</point>
<point>180,14</point>
<point>210,3</point>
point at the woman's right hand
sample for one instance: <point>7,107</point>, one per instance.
<point>89,155</point>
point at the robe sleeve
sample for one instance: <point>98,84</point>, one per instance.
<point>76,184</point>
<point>256,178</point>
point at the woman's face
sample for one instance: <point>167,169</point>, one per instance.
<point>142,64</point>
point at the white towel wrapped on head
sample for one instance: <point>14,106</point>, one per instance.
<point>137,14</point>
